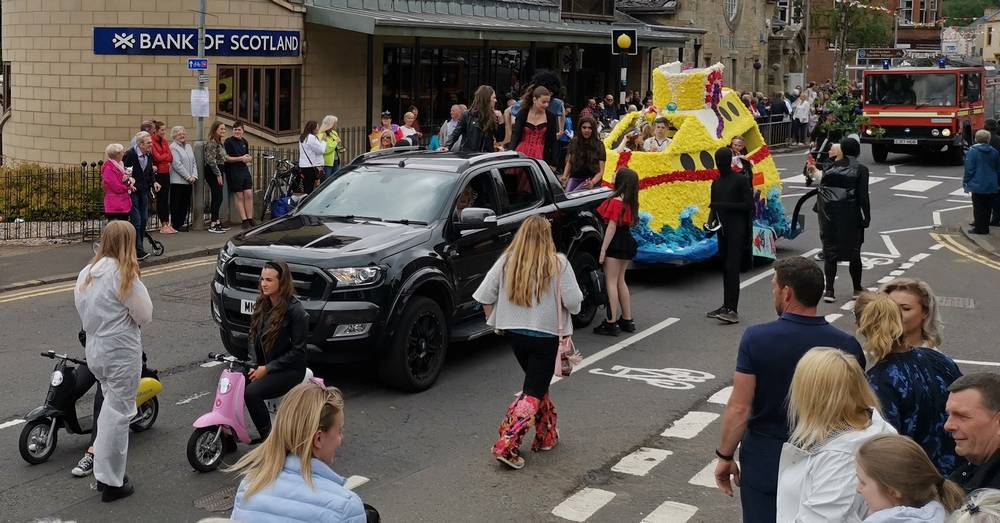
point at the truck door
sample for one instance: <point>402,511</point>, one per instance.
<point>472,253</point>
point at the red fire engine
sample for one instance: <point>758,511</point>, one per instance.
<point>917,110</point>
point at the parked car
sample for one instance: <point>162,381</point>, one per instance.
<point>385,256</point>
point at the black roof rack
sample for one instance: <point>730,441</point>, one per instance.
<point>385,152</point>
<point>490,157</point>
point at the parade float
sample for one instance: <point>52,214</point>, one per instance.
<point>675,184</point>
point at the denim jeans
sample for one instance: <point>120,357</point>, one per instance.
<point>139,216</point>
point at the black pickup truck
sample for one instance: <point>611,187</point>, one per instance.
<point>385,256</point>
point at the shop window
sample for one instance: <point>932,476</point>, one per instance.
<point>267,98</point>
<point>588,8</point>
<point>5,102</point>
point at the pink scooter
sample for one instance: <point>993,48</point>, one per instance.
<point>215,431</point>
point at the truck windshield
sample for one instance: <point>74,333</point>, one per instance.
<point>384,193</point>
<point>938,90</point>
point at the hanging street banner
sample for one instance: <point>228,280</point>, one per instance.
<point>184,42</point>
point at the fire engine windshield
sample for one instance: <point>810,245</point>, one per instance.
<point>938,90</point>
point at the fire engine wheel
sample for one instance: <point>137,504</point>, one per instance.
<point>958,151</point>
<point>880,153</point>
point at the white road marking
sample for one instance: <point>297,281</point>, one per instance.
<point>967,362</point>
<point>892,168</point>
<point>940,177</point>
<point>908,229</point>
<point>640,462</point>
<point>885,279</point>
<point>193,397</point>
<point>875,179</point>
<point>635,338</point>
<point>793,195</point>
<point>721,397</point>
<point>782,169</point>
<point>757,277</point>
<point>917,196</point>
<point>909,265</point>
<point>212,363</point>
<point>689,425</point>
<point>847,306</point>
<point>936,215</point>
<point>915,185</point>
<point>830,318</point>
<point>667,378</point>
<point>670,512</point>
<point>936,247</point>
<point>798,178</point>
<point>958,201</point>
<point>918,257</point>
<point>896,273</point>
<point>583,504</point>
<point>706,476</point>
<point>959,192</point>
<point>900,174</point>
<point>891,250</point>
<point>354,482</point>
<point>11,423</point>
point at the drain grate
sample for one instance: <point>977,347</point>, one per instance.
<point>218,501</point>
<point>959,303</point>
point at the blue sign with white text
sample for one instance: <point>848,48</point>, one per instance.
<point>197,64</point>
<point>184,42</point>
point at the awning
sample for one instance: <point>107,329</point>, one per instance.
<point>478,26</point>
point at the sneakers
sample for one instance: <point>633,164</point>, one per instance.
<point>607,329</point>
<point>142,256</point>
<point>246,224</point>
<point>217,228</point>
<point>167,229</point>
<point>626,325</point>
<point>716,312</point>
<point>728,317</point>
<point>84,467</point>
<point>829,297</point>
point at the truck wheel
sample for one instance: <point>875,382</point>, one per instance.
<point>584,264</point>
<point>880,153</point>
<point>957,152</point>
<point>417,350</point>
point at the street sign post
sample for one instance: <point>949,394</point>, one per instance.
<point>874,53</point>
<point>197,64</point>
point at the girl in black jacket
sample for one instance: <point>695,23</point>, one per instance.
<point>278,331</point>
<point>536,129</point>
<point>479,127</point>
<point>732,203</point>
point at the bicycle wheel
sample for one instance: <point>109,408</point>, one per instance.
<point>268,198</point>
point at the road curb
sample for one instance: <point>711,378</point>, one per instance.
<point>981,241</point>
<point>151,262</point>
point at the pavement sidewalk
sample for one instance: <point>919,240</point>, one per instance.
<point>29,266</point>
<point>987,242</point>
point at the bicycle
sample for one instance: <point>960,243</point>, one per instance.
<point>278,186</point>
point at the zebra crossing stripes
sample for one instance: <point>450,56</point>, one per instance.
<point>915,185</point>
<point>671,512</point>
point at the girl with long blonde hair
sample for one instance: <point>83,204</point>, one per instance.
<point>911,382</point>
<point>917,303</point>
<point>529,295</point>
<point>295,462</point>
<point>899,482</point>
<point>832,411</point>
<point>113,303</point>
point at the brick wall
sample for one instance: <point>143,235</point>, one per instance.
<point>68,103</point>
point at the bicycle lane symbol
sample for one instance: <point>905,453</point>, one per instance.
<point>667,378</point>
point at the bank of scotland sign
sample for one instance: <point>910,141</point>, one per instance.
<point>184,42</point>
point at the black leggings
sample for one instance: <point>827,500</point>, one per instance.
<point>180,203</point>
<point>84,381</point>
<point>274,385</point>
<point>163,199</point>
<point>216,187</point>
<point>537,357</point>
<point>310,175</point>
<point>733,242</point>
<point>830,260</point>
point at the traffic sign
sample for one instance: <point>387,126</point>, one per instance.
<point>624,41</point>
<point>874,53</point>
<point>203,77</point>
<point>197,64</point>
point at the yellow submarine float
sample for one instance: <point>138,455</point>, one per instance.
<point>674,184</point>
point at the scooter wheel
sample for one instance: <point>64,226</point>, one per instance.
<point>32,442</point>
<point>157,248</point>
<point>204,449</point>
<point>146,416</point>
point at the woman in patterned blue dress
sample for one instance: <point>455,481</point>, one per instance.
<point>910,381</point>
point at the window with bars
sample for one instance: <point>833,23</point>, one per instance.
<point>265,97</point>
<point>5,102</point>
<point>784,11</point>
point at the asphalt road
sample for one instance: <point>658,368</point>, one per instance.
<point>426,456</point>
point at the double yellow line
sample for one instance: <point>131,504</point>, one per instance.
<point>68,286</point>
<point>954,246</point>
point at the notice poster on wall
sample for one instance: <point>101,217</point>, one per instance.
<point>199,103</point>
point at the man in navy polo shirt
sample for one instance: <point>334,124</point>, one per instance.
<point>756,415</point>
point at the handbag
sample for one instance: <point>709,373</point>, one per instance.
<point>567,356</point>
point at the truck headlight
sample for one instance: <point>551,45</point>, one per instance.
<point>946,132</point>
<point>225,254</point>
<point>355,276</point>
<point>935,133</point>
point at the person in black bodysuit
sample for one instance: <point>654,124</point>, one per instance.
<point>732,203</point>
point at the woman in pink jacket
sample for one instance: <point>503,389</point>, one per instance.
<point>118,184</point>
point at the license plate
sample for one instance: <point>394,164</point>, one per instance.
<point>246,307</point>
<point>905,141</point>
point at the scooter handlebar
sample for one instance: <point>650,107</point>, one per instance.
<point>51,354</point>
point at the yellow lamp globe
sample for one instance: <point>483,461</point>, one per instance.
<point>623,41</point>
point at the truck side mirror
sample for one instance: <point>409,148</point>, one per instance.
<point>476,218</point>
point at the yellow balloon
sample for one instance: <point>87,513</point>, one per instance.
<point>624,42</point>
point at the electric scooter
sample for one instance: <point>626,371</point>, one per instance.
<point>216,432</point>
<point>40,432</point>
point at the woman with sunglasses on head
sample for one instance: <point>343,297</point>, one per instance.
<point>290,477</point>
<point>278,330</point>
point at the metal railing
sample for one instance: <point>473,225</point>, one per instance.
<point>776,134</point>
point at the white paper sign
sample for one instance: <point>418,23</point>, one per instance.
<point>199,103</point>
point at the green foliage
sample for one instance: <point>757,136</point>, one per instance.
<point>844,106</point>
<point>864,27</point>
<point>964,12</point>
<point>41,194</point>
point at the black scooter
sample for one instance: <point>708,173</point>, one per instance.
<point>67,384</point>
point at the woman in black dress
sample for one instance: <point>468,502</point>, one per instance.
<point>732,203</point>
